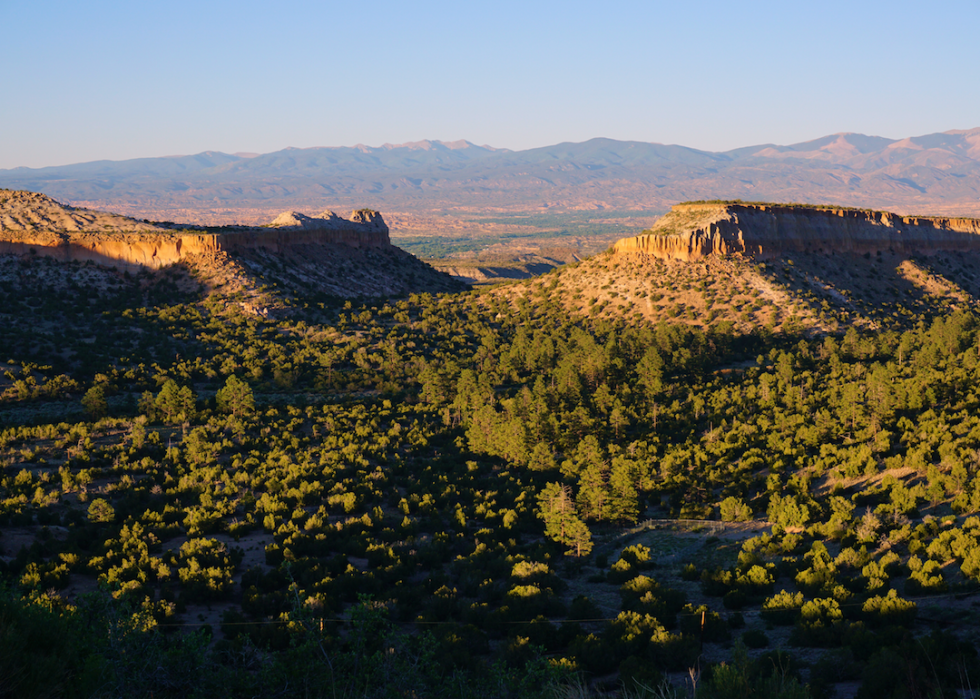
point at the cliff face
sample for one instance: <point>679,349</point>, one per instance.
<point>140,249</point>
<point>34,224</point>
<point>692,231</point>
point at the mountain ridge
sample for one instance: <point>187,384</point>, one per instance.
<point>929,174</point>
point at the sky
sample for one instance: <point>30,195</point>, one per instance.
<point>106,79</point>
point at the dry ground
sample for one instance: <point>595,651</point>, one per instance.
<point>813,292</point>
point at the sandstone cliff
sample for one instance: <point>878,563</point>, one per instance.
<point>32,223</point>
<point>692,231</point>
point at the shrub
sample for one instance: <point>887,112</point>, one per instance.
<point>925,578</point>
<point>714,628</point>
<point>717,582</point>
<point>732,509</point>
<point>755,581</point>
<point>890,609</point>
<point>755,638</point>
<point>593,654</point>
<point>783,608</point>
<point>101,511</point>
<point>583,608</point>
<point>636,673</point>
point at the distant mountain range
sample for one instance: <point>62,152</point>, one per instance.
<point>938,173</point>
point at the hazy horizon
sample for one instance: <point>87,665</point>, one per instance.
<point>490,146</point>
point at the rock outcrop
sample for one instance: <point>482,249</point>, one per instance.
<point>366,219</point>
<point>32,223</point>
<point>364,229</point>
<point>693,230</point>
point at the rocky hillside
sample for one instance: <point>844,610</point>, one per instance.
<point>35,223</point>
<point>779,267</point>
<point>35,216</point>
<point>261,268</point>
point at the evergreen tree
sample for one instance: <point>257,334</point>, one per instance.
<point>175,404</point>
<point>561,522</point>
<point>95,403</point>
<point>236,397</point>
<point>168,401</point>
<point>593,495</point>
<point>623,505</point>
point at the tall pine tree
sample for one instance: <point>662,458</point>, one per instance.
<point>561,522</point>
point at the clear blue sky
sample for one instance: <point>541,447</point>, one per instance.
<point>106,79</point>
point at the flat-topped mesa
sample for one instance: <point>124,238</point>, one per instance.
<point>32,223</point>
<point>694,230</point>
<point>364,229</point>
